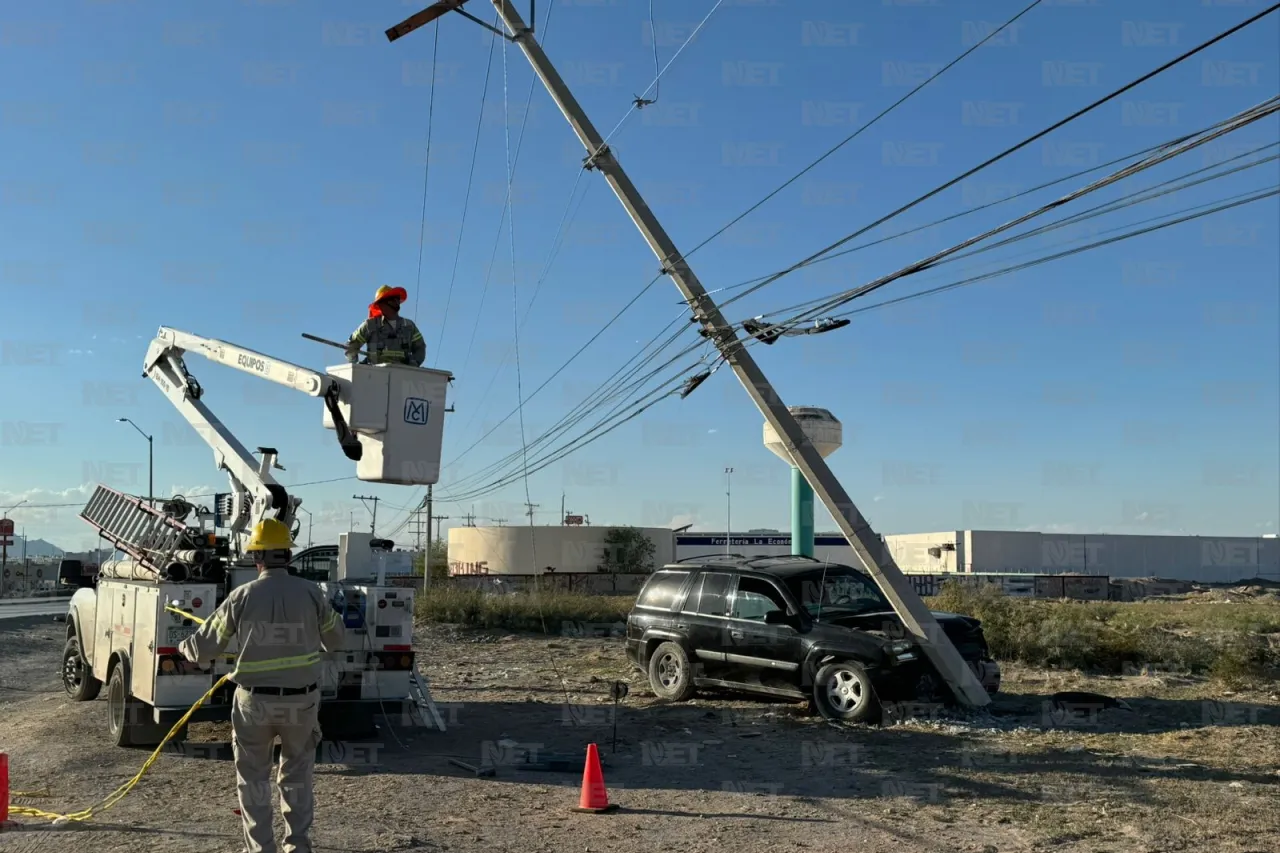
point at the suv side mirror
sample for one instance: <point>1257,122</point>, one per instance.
<point>777,617</point>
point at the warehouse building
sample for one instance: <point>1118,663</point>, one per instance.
<point>576,550</point>
<point>1206,559</point>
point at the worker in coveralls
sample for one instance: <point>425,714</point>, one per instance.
<point>280,623</point>
<point>390,338</point>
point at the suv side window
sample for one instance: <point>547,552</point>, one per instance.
<point>662,590</point>
<point>714,589</point>
<point>755,598</point>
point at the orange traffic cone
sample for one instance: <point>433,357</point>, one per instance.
<point>594,799</point>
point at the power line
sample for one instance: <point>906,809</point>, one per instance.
<point>426,171</point>
<point>1146,195</point>
<point>639,101</point>
<point>1008,151</point>
<point>859,131</point>
<point>598,389</point>
<point>1242,119</point>
<point>506,204</point>
<point>466,199</point>
<point>659,276</point>
<point>985,206</point>
<point>1164,188</point>
<point>1257,196</point>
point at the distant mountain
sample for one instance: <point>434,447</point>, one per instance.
<point>35,548</point>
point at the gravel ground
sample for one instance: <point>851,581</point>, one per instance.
<point>1189,769</point>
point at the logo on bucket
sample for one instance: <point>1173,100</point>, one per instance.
<point>416,410</point>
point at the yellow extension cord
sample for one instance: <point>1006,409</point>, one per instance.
<point>119,793</point>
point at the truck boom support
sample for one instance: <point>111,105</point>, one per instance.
<point>255,492</point>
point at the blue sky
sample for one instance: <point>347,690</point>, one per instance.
<point>257,172</point>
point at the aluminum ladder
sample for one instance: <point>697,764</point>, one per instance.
<point>420,697</point>
<point>148,535</point>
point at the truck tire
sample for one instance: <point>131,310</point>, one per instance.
<point>842,691</point>
<point>77,676</point>
<point>129,721</point>
<point>670,673</point>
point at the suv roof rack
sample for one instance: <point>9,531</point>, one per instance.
<point>701,557</point>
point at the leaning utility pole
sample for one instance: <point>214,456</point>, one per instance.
<point>866,544</point>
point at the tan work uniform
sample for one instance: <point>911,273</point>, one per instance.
<point>280,623</point>
<point>395,341</point>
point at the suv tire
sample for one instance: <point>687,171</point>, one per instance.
<point>842,691</point>
<point>670,673</point>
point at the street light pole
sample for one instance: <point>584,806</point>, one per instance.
<point>151,482</point>
<point>728,507</point>
<point>310,521</point>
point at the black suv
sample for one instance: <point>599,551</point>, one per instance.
<point>792,627</point>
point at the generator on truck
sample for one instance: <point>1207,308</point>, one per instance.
<point>174,564</point>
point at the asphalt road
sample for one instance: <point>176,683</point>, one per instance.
<point>14,608</point>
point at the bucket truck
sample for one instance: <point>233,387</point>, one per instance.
<point>124,627</point>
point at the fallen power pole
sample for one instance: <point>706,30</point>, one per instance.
<point>868,547</point>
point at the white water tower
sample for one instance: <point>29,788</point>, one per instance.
<point>826,435</point>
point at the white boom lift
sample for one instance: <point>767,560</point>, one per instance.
<point>124,631</point>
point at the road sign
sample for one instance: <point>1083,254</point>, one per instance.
<point>573,519</point>
<point>6,527</point>
<point>6,541</point>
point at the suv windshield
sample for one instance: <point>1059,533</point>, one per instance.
<point>841,589</point>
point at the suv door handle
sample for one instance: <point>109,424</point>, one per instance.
<point>681,627</point>
<point>737,635</point>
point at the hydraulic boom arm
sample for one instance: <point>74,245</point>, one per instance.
<point>255,493</point>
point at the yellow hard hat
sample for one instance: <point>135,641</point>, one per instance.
<point>270,534</point>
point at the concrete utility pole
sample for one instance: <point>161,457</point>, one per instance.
<point>373,525</point>
<point>429,501</point>
<point>865,543</point>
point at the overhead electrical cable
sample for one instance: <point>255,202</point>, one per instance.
<point>636,104</point>
<point>1163,188</point>
<point>976,209</point>
<point>1257,196</point>
<point>1008,151</point>
<point>943,70</point>
<point>466,199</point>
<point>598,431</point>
<point>606,391</point>
<point>660,275</point>
<point>426,171</point>
<point>1268,107</point>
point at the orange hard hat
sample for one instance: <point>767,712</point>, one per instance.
<point>385,292</point>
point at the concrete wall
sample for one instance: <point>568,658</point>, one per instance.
<point>534,550</point>
<point>1207,559</point>
<point>915,552</point>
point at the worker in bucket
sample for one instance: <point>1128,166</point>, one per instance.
<point>280,623</point>
<point>390,338</point>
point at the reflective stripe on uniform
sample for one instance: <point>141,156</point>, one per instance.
<point>219,624</point>
<point>275,664</point>
<point>329,623</point>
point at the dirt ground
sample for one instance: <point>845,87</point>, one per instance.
<point>1190,768</point>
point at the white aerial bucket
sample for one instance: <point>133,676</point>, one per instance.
<point>397,411</point>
